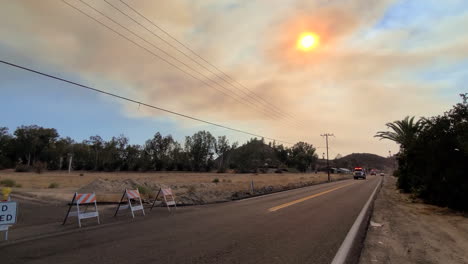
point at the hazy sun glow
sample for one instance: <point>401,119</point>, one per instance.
<point>307,41</point>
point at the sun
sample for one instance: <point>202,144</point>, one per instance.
<point>307,41</point>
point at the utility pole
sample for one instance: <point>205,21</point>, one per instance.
<point>326,135</point>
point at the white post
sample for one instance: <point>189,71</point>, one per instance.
<point>70,163</point>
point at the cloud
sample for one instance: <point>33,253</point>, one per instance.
<point>363,74</point>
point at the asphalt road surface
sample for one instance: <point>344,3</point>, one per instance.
<point>300,226</point>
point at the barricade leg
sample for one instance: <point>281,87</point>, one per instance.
<point>142,209</point>
<point>78,214</point>
<point>131,208</point>
<point>95,208</point>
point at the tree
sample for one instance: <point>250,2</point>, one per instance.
<point>200,148</point>
<point>222,148</point>
<point>6,155</point>
<point>96,143</point>
<point>159,149</point>
<point>303,156</point>
<point>253,155</point>
<point>59,153</point>
<point>33,142</point>
<point>404,131</point>
<point>433,166</point>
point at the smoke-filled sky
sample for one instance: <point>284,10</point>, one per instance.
<point>376,61</point>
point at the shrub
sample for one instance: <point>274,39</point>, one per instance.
<point>18,185</point>
<point>216,180</point>
<point>81,174</point>
<point>22,168</point>
<point>8,183</point>
<point>53,185</point>
<point>143,190</point>
<point>39,167</point>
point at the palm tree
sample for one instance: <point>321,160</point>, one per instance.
<point>404,131</point>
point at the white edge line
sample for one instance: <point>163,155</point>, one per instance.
<point>343,251</point>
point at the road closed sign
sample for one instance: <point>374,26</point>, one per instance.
<point>7,213</point>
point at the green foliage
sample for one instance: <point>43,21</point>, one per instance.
<point>215,180</point>
<point>434,164</point>
<point>404,132</point>
<point>53,185</point>
<point>252,156</point>
<point>34,143</point>
<point>302,156</point>
<point>33,147</point>
<point>143,190</point>
<point>8,183</point>
<point>200,149</point>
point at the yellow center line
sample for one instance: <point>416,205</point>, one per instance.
<point>276,208</point>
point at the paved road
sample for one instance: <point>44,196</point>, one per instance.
<point>300,226</point>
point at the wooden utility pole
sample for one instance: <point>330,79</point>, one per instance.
<point>326,135</point>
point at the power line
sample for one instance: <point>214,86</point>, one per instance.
<point>137,102</point>
<point>206,61</point>
<point>176,59</point>
<point>186,55</point>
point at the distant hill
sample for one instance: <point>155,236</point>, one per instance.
<point>366,160</point>
<point>254,154</point>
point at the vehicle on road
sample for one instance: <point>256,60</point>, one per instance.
<point>359,173</point>
<point>382,174</point>
<point>373,173</point>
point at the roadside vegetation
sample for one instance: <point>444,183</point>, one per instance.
<point>34,148</point>
<point>433,157</point>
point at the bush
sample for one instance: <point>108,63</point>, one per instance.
<point>8,183</point>
<point>22,168</point>
<point>53,185</point>
<point>433,166</point>
<point>39,167</point>
<point>143,190</point>
<point>216,180</point>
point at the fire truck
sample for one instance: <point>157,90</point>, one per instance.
<point>359,173</point>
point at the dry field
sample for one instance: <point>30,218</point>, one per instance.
<point>190,188</point>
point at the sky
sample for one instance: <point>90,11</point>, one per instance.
<point>376,61</point>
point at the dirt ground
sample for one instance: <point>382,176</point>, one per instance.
<point>189,188</point>
<point>413,232</point>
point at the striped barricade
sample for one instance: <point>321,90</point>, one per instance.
<point>168,196</point>
<point>83,199</point>
<point>131,195</point>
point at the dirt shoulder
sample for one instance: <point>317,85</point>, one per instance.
<point>413,232</point>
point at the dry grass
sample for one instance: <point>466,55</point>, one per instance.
<point>182,182</point>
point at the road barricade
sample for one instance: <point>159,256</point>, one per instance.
<point>131,195</point>
<point>8,212</point>
<point>168,196</point>
<point>83,199</point>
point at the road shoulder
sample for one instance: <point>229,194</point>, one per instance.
<point>403,230</point>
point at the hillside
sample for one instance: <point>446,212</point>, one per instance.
<point>366,160</point>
